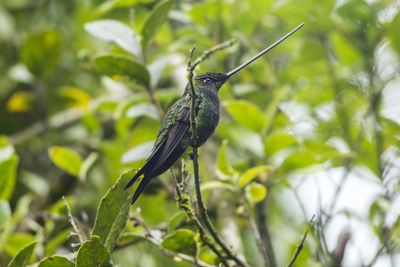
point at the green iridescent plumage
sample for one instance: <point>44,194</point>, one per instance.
<point>174,136</point>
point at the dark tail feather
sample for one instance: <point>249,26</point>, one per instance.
<point>140,188</point>
<point>134,179</point>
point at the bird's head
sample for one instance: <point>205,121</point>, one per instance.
<point>210,80</point>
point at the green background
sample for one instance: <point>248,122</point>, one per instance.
<point>306,129</point>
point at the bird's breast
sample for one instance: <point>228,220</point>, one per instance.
<point>207,115</point>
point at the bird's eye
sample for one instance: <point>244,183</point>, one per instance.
<point>206,80</point>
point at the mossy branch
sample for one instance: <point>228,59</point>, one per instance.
<point>202,209</point>
<point>183,201</point>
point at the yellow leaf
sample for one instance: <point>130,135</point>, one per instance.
<point>77,97</point>
<point>20,101</point>
<point>252,173</point>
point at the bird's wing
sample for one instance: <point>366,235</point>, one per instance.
<point>171,133</point>
<point>174,127</point>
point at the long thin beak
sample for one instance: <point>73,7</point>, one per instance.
<point>229,74</point>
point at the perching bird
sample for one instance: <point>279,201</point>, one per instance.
<point>174,136</point>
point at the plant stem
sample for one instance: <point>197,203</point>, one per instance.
<point>184,203</point>
<point>195,156</point>
<point>257,235</point>
<point>261,224</point>
<point>154,240</point>
<point>72,221</point>
<point>301,244</point>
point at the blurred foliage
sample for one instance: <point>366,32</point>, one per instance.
<point>85,83</point>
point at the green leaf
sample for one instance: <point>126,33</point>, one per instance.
<point>59,207</point>
<point>117,32</point>
<point>395,232</point>
<point>156,68</point>
<point>393,32</point>
<point>35,183</point>
<point>252,173</point>
<point>181,241</point>
<point>66,159</point>
<point>271,110</point>
<point>347,53</point>
<point>109,5</point>
<point>222,163</point>
<point>127,237</point>
<point>256,192</point>
<point>278,141</point>
<point>23,256</point>
<point>113,211</point>
<point>208,256</point>
<point>242,137</point>
<point>246,113</point>
<point>217,185</point>
<point>175,221</point>
<point>86,165</point>
<point>13,4</point>
<point>143,109</point>
<point>8,170</point>
<point>5,212</point>
<point>154,21</point>
<point>355,10</point>
<point>115,66</point>
<point>93,253</point>
<point>41,52</point>
<point>137,153</point>
<point>56,261</point>
<point>8,167</point>
<point>17,241</point>
<point>299,160</point>
<point>56,241</point>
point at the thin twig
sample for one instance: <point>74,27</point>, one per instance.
<point>260,243</point>
<point>155,240</point>
<point>200,204</point>
<point>72,221</point>
<point>208,53</point>
<point>378,253</point>
<point>301,244</point>
<point>338,253</point>
<point>261,223</point>
<point>183,202</point>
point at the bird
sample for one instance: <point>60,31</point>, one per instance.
<point>175,135</point>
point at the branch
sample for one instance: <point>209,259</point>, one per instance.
<point>195,156</point>
<point>257,235</point>
<point>301,244</point>
<point>155,240</point>
<point>208,53</point>
<point>261,224</point>
<point>338,253</point>
<point>72,221</point>
<point>378,253</point>
<point>183,201</point>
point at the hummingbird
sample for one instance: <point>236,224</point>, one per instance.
<point>175,136</point>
